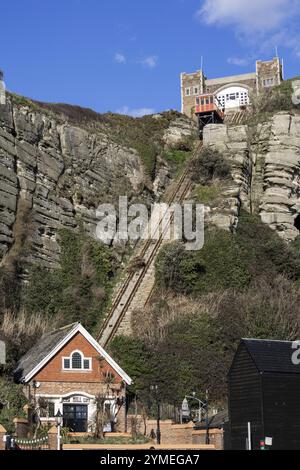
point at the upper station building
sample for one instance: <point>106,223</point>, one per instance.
<point>231,92</point>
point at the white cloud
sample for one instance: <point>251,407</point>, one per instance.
<point>149,61</point>
<point>248,16</point>
<point>237,61</point>
<point>139,112</point>
<point>120,58</point>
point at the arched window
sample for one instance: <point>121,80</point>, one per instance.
<point>76,360</point>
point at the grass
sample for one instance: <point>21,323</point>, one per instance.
<point>207,194</point>
<point>140,439</point>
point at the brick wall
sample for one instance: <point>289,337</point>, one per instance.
<point>216,438</point>
<point>53,371</point>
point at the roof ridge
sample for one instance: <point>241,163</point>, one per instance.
<point>269,340</point>
<point>65,327</point>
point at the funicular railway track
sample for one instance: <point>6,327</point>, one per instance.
<point>149,250</point>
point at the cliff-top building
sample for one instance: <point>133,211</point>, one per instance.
<point>232,92</point>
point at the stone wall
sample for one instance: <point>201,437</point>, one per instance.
<point>268,70</point>
<point>265,173</point>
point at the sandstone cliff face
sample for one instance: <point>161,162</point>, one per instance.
<point>266,173</point>
<point>53,175</point>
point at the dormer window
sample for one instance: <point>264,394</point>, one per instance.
<point>77,362</point>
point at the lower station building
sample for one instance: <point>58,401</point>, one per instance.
<point>68,370</point>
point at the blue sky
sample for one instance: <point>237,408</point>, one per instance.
<point>127,55</point>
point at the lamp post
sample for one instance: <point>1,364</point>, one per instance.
<point>207,420</point>
<point>154,388</point>
<point>200,402</point>
<point>58,418</point>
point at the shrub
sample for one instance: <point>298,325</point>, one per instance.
<point>219,265</point>
<point>209,166</point>
<point>13,399</point>
<point>79,290</point>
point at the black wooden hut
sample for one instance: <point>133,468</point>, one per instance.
<point>264,389</point>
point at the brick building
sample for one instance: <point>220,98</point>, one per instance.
<point>233,91</point>
<point>67,369</point>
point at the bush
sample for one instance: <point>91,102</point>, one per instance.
<point>227,260</point>
<point>219,265</point>
<point>13,399</point>
<point>79,291</point>
<point>210,165</point>
<point>271,101</point>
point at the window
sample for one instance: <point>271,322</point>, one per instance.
<point>47,411</point>
<point>187,92</point>
<point>267,82</point>
<point>76,361</point>
<point>51,409</point>
<point>196,91</point>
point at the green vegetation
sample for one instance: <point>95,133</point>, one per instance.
<point>227,260</point>
<point>239,285</point>
<point>23,101</point>
<point>272,101</point>
<point>177,158</point>
<point>13,400</point>
<point>210,165</point>
<point>79,290</point>
<point>207,194</point>
<point>140,439</point>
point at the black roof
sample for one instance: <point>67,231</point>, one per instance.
<point>216,421</point>
<point>271,355</point>
<point>40,350</point>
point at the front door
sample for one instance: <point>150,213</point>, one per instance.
<point>75,417</point>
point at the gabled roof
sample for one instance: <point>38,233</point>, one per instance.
<point>50,344</point>
<point>271,355</point>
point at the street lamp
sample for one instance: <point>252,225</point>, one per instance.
<point>58,418</point>
<point>154,388</point>
<point>202,406</point>
<point>200,402</point>
<point>207,420</point>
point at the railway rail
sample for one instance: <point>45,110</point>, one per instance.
<point>150,248</point>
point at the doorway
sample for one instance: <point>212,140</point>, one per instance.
<point>75,417</point>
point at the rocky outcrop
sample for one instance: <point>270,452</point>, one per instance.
<point>266,172</point>
<point>58,173</point>
<point>232,142</point>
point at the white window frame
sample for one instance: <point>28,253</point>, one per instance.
<point>268,82</point>
<point>83,358</point>
<point>188,91</point>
